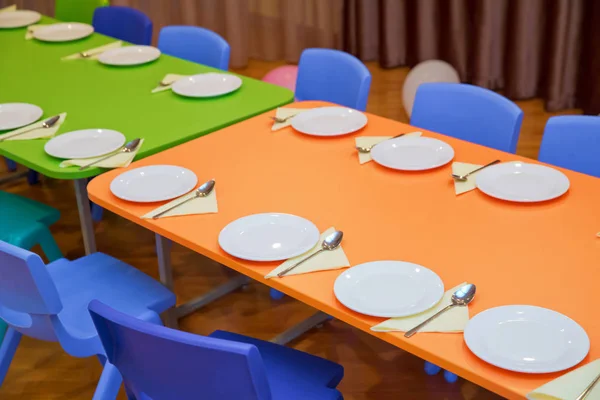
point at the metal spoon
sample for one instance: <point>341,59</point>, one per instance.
<point>203,191</point>
<point>586,392</point>
<point>49,123</point>
<point>463,178</point>
<point>366,150</point>
<point>164,84</point>
<point>281,120</point>
<point>462,297</point>
<point>331,242</point>
<point>128,148</point>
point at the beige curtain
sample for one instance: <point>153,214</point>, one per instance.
<point>526,48</point>
<point>45,7</point>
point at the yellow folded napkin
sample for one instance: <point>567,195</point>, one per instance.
<point>37,133</point>
<point>31,29</point>
<point>119,160</point>
<point>453,320</point>
<point>570,385</point>
<point>95,52</point>
<point>284,113</point>
<point>459,168</point>
<point>324,261</point>
<point>200,205</point>
<point>169,79</point>
<point>9,8</point>
<point>370,141</point>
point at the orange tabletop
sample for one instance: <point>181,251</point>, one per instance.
<point>544,254</point>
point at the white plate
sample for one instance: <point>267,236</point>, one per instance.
<point>527,339</point>
<point>522,182</point>
<point>130,55</point>
<point>268,237</point>
<point>412,153</point>
<point>153,183</point>
<point>329,121</point>
<point>18,18</point>
<point>63,32</point>
<point>16,115</point>
<point>388,288</point>
<point>210,84</point>
<point>85,143</point>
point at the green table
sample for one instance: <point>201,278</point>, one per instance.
<point>99,96</point>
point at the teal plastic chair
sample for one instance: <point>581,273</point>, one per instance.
<point>25,223</point>
<point>77,10</point>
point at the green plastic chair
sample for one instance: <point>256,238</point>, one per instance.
<point>77,10</point>
<point>25,223</point>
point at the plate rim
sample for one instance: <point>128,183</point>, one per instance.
<point>33,12</point>
<point>56,138</point>
<point>175,87</point>
<point>316,109</point>
<point>486,172</point>
<point>39,110</point>
<point>112,183</point>
<point>266,259</point>
<point>467,335</point>
<point>408,140</point>
<point>102,57</point>
<point>48,26</point>
<point>386,315</point>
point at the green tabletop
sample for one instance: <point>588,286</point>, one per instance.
<point>99,96</point>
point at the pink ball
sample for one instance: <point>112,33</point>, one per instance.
<point>283,76</point>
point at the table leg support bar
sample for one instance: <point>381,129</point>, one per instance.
<point>300,328</point>
<point>13,177</point>
<point>85,216</point>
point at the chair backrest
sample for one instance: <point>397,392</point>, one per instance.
<point>123,23</point>
<point>27,292</point>
<point>164,364</point>
<point>196,44</point>
<point>572,142</point>
<point>468,112</point>
<point>333,75</point>
<point>77,10</point>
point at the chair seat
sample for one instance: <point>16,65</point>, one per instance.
<point>19,231</point>
<point>288,367</point>
<point>113,282</point>
<point>18,207</point>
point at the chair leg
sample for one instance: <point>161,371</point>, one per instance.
<point>110,382</point>
<point>431,369</point>
<point>32,177</point>
<point>97,212</point>
<point>10,165</point>
<point>276,294</point>
<point>7,351</point>
<point>49,246</point>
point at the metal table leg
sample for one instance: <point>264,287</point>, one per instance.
<point>301,328</point>
<point>165,272</point>
<point>85,215</point>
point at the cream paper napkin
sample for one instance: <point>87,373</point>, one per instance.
<point>169,79</point>
<point>326,260</point>
<point>119,160</point>
<point>453,320</point>
<point>284,113</point>
<point>369,141</point>
<point>96,51</point>
<point>9,8</point>
<point>37,133</point>
<point>31,29</point>
<point>570,385</point>
<point>459,168</point>
<point>200,205</point>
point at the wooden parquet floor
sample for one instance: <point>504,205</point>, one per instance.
<point>374,370</point>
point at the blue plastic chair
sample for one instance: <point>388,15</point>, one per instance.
<point>159,363</point>
<point>334,76</point>
<point>572,142</point>
<point>32,176</point>
<point>25,223</point>
<point>11,166</point>
<point>469,113</point>
<point>49,302</point>
<point>123,23</point>
<point>195,44</point>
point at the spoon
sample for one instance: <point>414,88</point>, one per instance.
<point>331,242</point>
<point>203,191</point>
<point>281,120</point>
<point>129,147</point>
<point>49,123</point>
<point>366,150</point>
<point>462,297</point>
<point>463,178</point>
<point>588,389</point>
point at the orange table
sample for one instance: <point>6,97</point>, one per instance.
<point>515,253</point>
